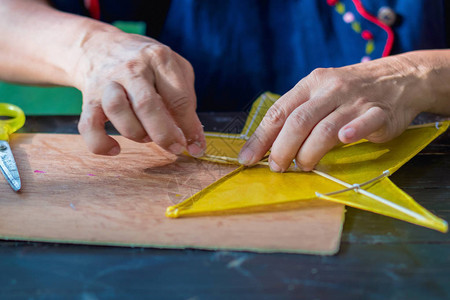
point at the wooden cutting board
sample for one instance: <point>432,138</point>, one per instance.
<point>72,196</point>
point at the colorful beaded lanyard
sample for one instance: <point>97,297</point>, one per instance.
<point>367,35</point>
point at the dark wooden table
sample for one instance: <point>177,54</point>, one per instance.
<point>380,258</point>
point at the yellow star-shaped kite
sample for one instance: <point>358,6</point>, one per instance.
<point>354,174</point>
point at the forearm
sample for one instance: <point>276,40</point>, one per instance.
<point>432,68</point>
<point>40,45</point>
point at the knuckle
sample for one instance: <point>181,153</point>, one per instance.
<point>144,104</point>
<point>91,102</point>
<point>189,67</point>
<point>327,130</point>
<point>362,102</point>
<point>189,73</point>
<point>330,79</point>
<point>274,117</point>
<point>136,66</point>
<point>158,52</point>
<point>148,103</point>
<point>114,105</point>
<point>299,119</point>
<point>180,104</point>
<point>338,83</point>
<point>319,74</point>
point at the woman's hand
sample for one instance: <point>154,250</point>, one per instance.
<point>375,100</point>
<point>144,88</point>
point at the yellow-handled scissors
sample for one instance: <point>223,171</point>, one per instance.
<point>13,118</point>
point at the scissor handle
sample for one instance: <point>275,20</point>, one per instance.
<point>16,121</point>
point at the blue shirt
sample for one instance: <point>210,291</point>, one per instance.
<point>241,48</point>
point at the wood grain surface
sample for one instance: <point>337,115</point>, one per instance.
<point>72,196</point>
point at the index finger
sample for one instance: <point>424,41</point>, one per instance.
<point>272,123</point>
<point>154,117</point>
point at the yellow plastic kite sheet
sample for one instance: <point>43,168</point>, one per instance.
<point>353,174</point>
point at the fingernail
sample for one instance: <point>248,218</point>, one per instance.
<point>245,157</point>
<point>114,151</point>
<point>195,149</point>
<point>349,133</point>
<point>176,148</point>
<point>274,167</point>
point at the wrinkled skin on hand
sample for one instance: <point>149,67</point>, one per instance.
<point>376,100</point>
<point>143,87</point>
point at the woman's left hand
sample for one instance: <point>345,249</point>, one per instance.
<point>375,100</point>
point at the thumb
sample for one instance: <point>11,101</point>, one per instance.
<point>92,128</point>
<point>370,125</point>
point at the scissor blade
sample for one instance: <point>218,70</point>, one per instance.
<point>8,166</point>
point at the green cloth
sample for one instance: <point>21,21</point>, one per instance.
<point>52,101</point>
<point>38,101</point>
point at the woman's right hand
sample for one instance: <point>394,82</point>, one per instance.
<point>143,87</point>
